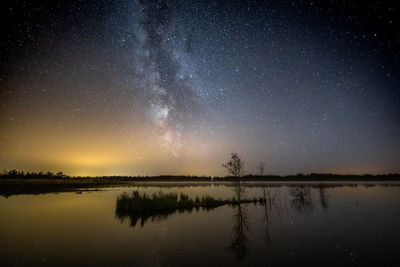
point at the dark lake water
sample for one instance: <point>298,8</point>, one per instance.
<point>311,225</point>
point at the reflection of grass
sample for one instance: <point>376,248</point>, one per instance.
<point>159,205</point>
<point>302,200</point>
<point>166,202</point>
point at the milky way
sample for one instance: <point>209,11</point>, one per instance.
<point>166,87</point>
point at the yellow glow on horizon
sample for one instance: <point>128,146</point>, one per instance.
<point>88,160</point>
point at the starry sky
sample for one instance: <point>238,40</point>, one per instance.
<point>173,87</point>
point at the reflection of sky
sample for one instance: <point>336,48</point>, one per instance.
<point>82,229</point>
<point>121,87</point>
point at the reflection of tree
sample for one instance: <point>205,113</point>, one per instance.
<point>323,197</point>
<point>267,203</point>
<point>241,225</point>
<point>240,231</point>
<point>239,191</point>
<point>302,201</point>
<point>272,200</point>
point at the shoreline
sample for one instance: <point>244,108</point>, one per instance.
<point>14,186</point>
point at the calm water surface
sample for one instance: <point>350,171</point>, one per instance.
<point>299,225</point>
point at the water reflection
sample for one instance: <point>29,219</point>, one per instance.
<point>159,206</point>
<point>70,229</point>
<point>240,232</point>
<point>266,212</point>
<point>143,217</point>
<point>301,199</point>
<point>272,201</point>
<point>239,191</point>
<point>137,207</point>
<point>240,228</point>
<point>323,197</point>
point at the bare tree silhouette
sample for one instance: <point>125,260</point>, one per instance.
<point>261,168</point>
<point>234,166</point>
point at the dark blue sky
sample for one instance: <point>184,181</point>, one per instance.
<point>154,87</point>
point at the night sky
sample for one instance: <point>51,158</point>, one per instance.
<point>173,87</point>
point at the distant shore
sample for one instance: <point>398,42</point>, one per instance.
<point>14,174</point>
<point>14,183</point>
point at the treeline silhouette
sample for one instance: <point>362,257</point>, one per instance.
<point>18,182</point>
<point>14,174</point>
